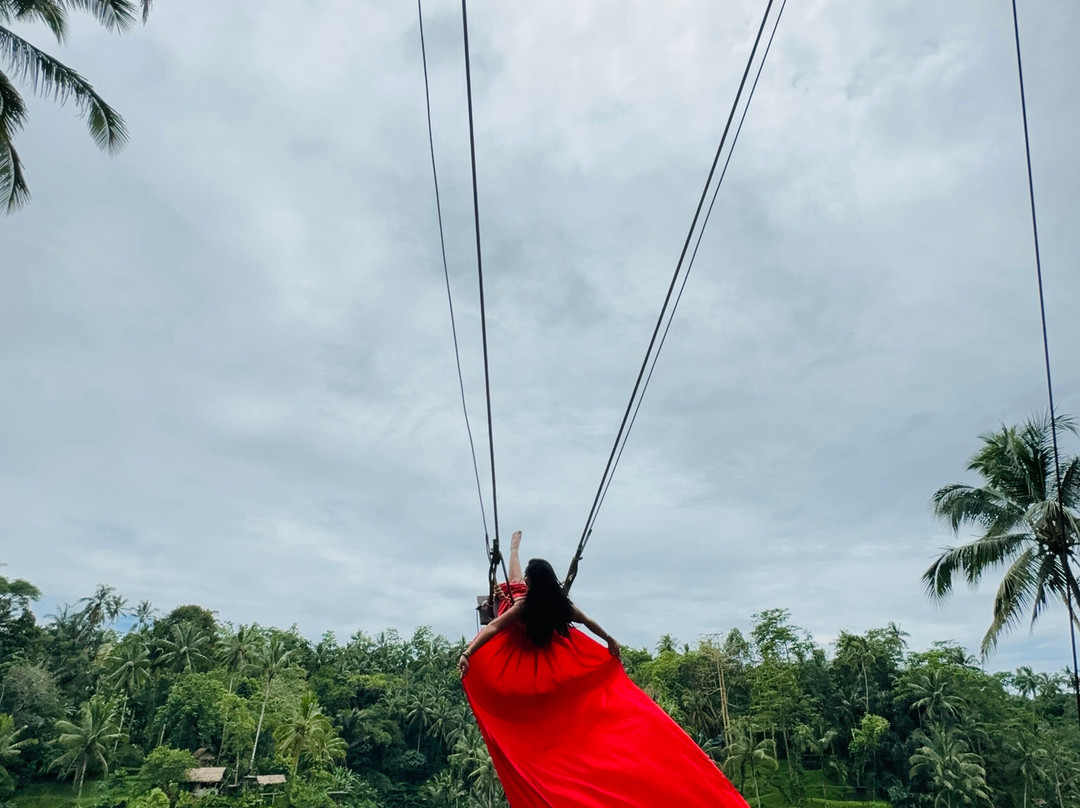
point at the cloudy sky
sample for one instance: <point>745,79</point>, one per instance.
<point>226,371</point>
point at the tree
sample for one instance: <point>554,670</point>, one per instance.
<point>956,775</point>
<point>47,76</point>
<point>187,651</point>
<point>239,651</point>
<point>856,652</point>
<point>273,660</point>
<point>129,670</point>
<point>144,615</point>
<point>1021,524</point>
<point>743,753</point>
<point>192,715</point>
<point>10,744</point>
<point>164,768</point>
<point>85,743</point>
<point>308,733</point>
<point>103,607</point>
<point>16,594</point>
<point>866,741</point>
<point>930,693</point>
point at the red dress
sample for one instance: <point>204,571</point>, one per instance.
<point>566,728</point>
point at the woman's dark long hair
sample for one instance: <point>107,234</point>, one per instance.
<point>547,608</point>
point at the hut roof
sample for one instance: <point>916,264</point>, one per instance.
<point>206,774</point>
<point>270,779</point>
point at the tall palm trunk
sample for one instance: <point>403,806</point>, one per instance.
<point>258,729</point>
<point>82,777</point>
<point>753,773</point>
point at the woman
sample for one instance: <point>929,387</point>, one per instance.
<point>537,601</point>
<point>564,724</point>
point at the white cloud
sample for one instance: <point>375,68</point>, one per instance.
<point>228,372</point>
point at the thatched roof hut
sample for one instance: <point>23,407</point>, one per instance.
<point>209,775</point>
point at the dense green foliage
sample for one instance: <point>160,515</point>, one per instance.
<point>381,720</point>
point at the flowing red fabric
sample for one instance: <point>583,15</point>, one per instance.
<point>567,728</point>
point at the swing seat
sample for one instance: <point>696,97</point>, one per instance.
<point>484,609</point>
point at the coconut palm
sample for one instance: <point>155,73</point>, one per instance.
<point>1029,756</point>
<point>10,745</point>
<point>144,615</point>
<point>188,650</point>
<point>931,694</point>
<point>309,733</point>
<point>129,669</point>
<point>857,653</point>
<point>956,775</point>
<point>1016,511</point>
<point>273,659</point>
<point>85,743</point>
<point>743,753</point>
<point>239,651</point>
<point>26,64</point>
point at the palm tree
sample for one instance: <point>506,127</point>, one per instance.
<point>84,743</point>
<point>743,753</point>
<point>10,746</point>
<point>46,76</point>
<point>130,670</point>
<point>187,651</point>
<point>239,651</point>
<point>472,757</point>
<point>1022,524</point>
<point>855,651</point>
<point>144,615</point>
<point>1029,757</point>
<point>422,709</point>
<point>273,660</point>
<point>444,791</point>
<point>956,775</point>
<point>930,692</point>
<point>308,732</point>
<point>1027,682</point>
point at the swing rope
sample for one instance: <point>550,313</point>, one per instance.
<point>1070,580</point>
<point>494,554</point>
<point>693,255</point>
<point>653,349</point>
<point>446,276</point>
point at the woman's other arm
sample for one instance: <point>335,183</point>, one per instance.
<point>595,628</point>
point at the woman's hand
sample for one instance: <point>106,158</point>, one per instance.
<point>463,664</point>
<point>613,647</point>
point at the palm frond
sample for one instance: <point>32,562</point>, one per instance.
<point>49,77</point>
<point>14,192</point>
<point>115,15</point>
<point>1014,594</point>
<point>960,504</point>
<point>50,12</point>
<point>971,560</point>
<point>1070,483</point>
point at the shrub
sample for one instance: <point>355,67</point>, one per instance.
<point>164,768</point>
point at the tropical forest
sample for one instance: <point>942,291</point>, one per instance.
<point>109,704</point>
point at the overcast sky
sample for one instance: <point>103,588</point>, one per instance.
<point>226,372</point>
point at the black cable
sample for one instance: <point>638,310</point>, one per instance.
<point>1069,579</point>
<point>586,532</point>
<point>446,273</point>
<point>495,556</point>
<point>693,256</point>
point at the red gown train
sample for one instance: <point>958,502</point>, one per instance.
<point>567,728</point>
